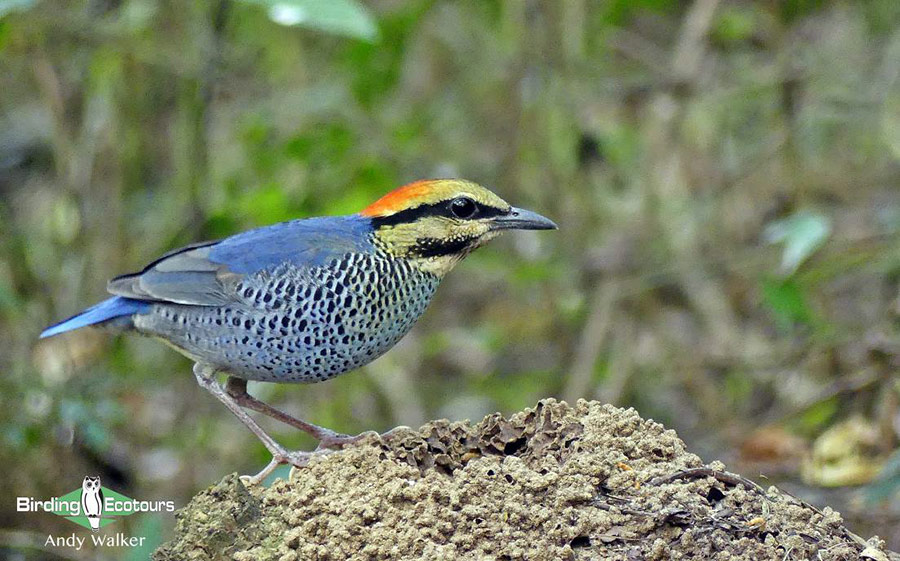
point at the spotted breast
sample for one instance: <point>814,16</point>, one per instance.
<point>302,324</point>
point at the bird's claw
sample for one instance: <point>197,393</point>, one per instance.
<point>328,443</point>
<point>338,440</point>
<point>252,480</point>
<point>298,459</point>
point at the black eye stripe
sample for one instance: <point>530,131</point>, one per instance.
<point>441,208</point>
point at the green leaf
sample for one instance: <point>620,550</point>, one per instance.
<point>341,17</point>
<point>7,6</point>
<point>817,416</point>
<point>787,303</point>
<point>802,234</point>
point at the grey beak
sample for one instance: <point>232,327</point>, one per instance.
<point>521,219</point>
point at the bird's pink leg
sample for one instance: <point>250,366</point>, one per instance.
<point>237,390</point>
<point>206,378</point>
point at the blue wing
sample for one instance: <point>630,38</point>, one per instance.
<point>205,274</point>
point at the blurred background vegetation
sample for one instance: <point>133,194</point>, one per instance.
<point>725,175</point>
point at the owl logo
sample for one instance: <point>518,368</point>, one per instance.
<point>92,500</point>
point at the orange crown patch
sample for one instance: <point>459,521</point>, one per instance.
<point>398,199</point>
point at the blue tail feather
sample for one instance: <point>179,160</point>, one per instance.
<point>112,308</point>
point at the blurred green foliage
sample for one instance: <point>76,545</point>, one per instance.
<point>343,17</point>
<point>674,142</point>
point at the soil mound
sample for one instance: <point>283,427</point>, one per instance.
<point>554,482</point>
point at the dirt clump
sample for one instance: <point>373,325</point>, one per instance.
<point>589,481</point>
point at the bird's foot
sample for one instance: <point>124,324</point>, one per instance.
<point>337,440</point>
<point>328,442</point>
<point>299,458</point>
<point>331,439</point>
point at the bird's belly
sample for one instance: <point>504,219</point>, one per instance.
<point>306,336</point>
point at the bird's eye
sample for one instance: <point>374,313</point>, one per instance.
<point>463,207</point>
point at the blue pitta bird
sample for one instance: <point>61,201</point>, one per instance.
<point>305,300</point>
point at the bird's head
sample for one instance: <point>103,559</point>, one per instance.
<point>438,222</point>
